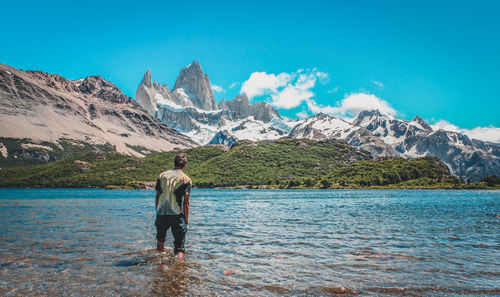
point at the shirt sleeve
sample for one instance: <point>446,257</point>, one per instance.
<point>158,185</point>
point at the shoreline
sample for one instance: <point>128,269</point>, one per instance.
<point>248,187</point>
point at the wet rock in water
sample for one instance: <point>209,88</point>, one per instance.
<point>337,291</point>
<point>229,272</point>
<point>276,289</point>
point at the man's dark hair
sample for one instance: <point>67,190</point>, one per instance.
<point>180,160</point>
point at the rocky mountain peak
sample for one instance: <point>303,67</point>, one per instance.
<point>321,116</point>
<point>74,117</point>
<point>197,86</point>
<point>224,138</point>
<point>373,119</point>
<point>418,120</point>
<point>98,87</point>
<point>147,80</point>
<point>371,112</point>
<point>195,66</point>
<point>52,80</point>
<point>223,104</point>
<point>263,111</point>
<point>241,105</point>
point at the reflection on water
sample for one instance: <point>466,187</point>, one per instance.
<point>260,243</point>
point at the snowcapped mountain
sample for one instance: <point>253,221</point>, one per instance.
<point>46,117</point>
<point>388,128</point>
<point>191,109</point>
<point>384,135</point>
<point>468,158</point>
<point>322,126</point>
<point>223,138</point>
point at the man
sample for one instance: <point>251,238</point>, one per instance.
<point>171,210</point>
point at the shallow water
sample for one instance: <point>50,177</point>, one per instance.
<point>80,242</point>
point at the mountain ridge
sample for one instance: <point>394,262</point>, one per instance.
<point>38,107</point>
<point>465,158</point>
<point>379,133</point>
<point>190,107</point>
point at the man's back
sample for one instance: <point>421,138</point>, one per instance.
<point>171,210</point>
<point>173,185</point>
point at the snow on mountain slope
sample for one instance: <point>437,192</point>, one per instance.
<point>323,126</point>
<point>467,158</point>
<point>190,109</point>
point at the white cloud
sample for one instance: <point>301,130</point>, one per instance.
<point>286,90</point>
<point>233,84</point>
<point>357,102</point>
<point>353,104</point>
<point>317,108</point>
<point>261,83</point>
<point>294,94</point>
<point>482,133</point>
<point>217,88</point>
<point>378,83</point>
<point>302,114</point>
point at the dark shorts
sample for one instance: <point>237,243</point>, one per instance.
<point>179,229</point>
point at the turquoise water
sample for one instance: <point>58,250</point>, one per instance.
<point>82,242</point>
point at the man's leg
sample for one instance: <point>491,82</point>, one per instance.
<point>161,232</point>
<point>160,246</point>
<point>179,229</point>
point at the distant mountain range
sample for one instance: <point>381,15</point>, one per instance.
<point>45,117</point>
<point>190,107</point>
<point>469,158</point>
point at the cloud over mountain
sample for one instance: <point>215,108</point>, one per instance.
<point>490,133</point>
<point>351,105</point>
<point>285,90</point>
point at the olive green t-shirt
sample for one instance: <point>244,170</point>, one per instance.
<point>172,185</point>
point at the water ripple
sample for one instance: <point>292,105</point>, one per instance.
<point>246,242</point>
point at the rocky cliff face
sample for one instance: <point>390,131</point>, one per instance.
<point>191,108</point>
<point>44,117</point>
<point>197,86</point>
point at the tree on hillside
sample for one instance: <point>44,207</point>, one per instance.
<point>491,181</point>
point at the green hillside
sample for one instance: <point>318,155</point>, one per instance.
<point>274,162</point>
<point>283,163</point>
<point>425,171</point>
<point>25,151</point>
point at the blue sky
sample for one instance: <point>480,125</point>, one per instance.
<point>436,59</point>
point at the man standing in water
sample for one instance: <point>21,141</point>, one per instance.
<point>171,210</point>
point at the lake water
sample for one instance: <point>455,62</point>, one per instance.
<point>81,242</point>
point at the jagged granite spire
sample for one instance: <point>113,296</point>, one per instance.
<point>145,94</point>
<point>147,80</point>
<point>197,86</point>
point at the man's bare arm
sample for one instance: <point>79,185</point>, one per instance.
<point>185,206</point>
<point>157,198</point>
